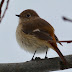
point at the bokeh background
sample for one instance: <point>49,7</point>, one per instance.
<point>50,10</point>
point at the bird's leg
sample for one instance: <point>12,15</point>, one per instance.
<point>46,53</point>
<point>34,55</point>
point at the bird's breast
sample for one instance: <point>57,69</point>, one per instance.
<point>30,43</point>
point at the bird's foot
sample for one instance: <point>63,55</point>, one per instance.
<point>37,58</point>
<point>46,57</point>
<point>32,59</point>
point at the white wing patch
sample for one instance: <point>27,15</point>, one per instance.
<point>36,30</point>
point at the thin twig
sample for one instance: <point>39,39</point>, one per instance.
<point>67,19</point>
<point>2,2</point>
<point>5,11</point>
<point>66,41</point>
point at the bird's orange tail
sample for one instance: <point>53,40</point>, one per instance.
<point>58,52</point>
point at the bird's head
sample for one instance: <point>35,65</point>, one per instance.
<point>27,15</point>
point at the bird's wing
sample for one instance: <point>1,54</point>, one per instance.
<point>40,28</point>
<point>42,35</point>
<point>39,34</point>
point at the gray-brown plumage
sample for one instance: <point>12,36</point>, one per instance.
<point>35,34</point>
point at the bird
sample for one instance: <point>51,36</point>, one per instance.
<point>36,35</point>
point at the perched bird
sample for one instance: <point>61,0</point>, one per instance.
<point>34,34</point>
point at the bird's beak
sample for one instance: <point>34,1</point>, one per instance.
<point>18,15</point>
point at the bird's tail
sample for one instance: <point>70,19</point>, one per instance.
<point>58,52</point>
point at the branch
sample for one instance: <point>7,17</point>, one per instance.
<point>66,41</point>
<point>4,11</point>
<point>67,19</point>
<point>2,2</point>
<point>37,65</point>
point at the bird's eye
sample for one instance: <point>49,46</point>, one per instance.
<point>28,15</point>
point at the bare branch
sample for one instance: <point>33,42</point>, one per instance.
<point>2,3</point>
<point>1,6</point>
<point>66,41</point>
<point>37,65</point>
<point>67,19</point>
<point>4,11</point>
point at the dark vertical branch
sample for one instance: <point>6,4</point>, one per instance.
<point>1,4</point>
<point>5,10</point>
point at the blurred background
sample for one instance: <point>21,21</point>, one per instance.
<point>50,10</point>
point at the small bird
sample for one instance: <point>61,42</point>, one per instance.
<point>34,34</point>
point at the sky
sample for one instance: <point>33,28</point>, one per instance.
<point>50,10</point>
